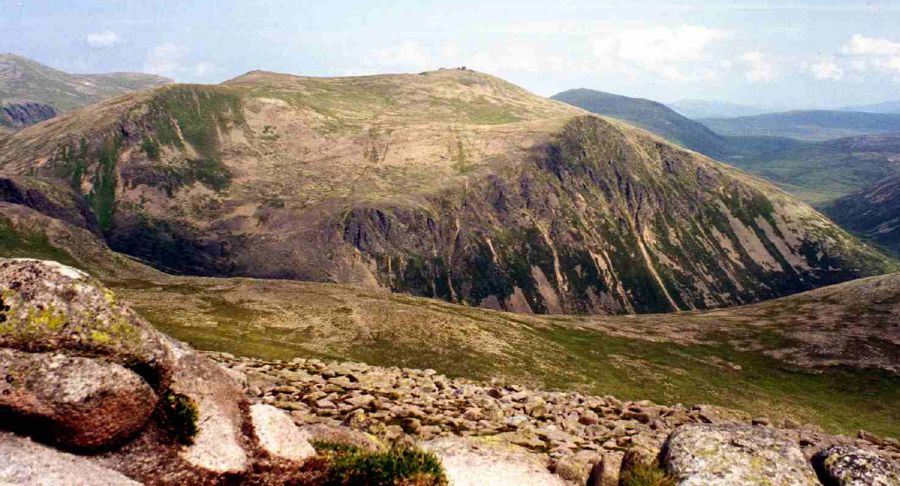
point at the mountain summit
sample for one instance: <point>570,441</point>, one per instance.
<point>451,184</point>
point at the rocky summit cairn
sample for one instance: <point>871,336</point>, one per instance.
<point>92,394</point>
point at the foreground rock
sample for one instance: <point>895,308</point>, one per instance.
<point>735,455</point>
<point>843,465</point>
<point>25,462</point>
<point>83,371</point>
<point>77,402</point>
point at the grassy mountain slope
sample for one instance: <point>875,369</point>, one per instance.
<point>24,79</point>
<point>449,184</point>
<point>829,357</point>
<point>873,212</point>
<point>810,125</point>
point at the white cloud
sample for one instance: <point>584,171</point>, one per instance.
<point>861,45</point>
<point>169,59</point>
<point>758,67</point>
<point>166,59</point>
<point>826,69</point>
<point>873,53</point>
<point>107,38</point>
<point>408,54</point>
<point>676,53</point>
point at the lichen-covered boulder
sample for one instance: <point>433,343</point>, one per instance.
<point>25,462</point>
<point>845,465</point>
<point>72,401</point>
<point>49,307</point>
<point>734,454</point>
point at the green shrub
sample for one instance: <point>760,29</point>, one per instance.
<point>181,415</point>
<point>643,474</point>
<point>351,465</point>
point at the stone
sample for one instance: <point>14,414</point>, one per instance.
<point>339,435</point>
<point>25,462</point>
<point>361,401</point>
<point>764,421</point>
<point>843,465</point>
<point>278,435</point>
<point>469,463</point>
<point>74,402</point>
<point>606,471</point>
<point>868,437</point>
<point>734,454</point>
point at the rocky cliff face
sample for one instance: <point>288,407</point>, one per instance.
<point>19,114</point>
<point>449,184</point>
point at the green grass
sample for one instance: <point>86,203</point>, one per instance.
<point>839,399</point>
<point>350,465</point>
<point>558,356</point>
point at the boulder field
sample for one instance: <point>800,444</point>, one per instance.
<point>92,394</point>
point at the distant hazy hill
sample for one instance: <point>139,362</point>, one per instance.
<point>812,125</point>
<point>884,107</point>
<point>649,115</point>
<point>696,109</point>
<point>28,88</point>
<point>665,122</point>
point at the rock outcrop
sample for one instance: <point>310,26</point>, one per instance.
<point>82,371</point>
<point>21,113</point>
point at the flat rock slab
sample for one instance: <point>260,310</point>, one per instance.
<point>25,462</point>
<point>735,455</point>
<point>471,463</point>
<point>278,435</point>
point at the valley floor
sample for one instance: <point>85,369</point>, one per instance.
<point>793,358</point>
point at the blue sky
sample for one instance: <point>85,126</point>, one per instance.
<point>778,53</point>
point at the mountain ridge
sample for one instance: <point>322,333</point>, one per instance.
<point>475,191</point>
<point>24,81</point>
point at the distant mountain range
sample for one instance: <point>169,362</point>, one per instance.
<point>809,125</point>
<point>817,172</point>
<point>658,118</point>
<point>696,109</point>
<point>884,107</point>
<point>31,92</point>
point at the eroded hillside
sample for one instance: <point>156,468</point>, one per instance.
<point>449,184</point>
